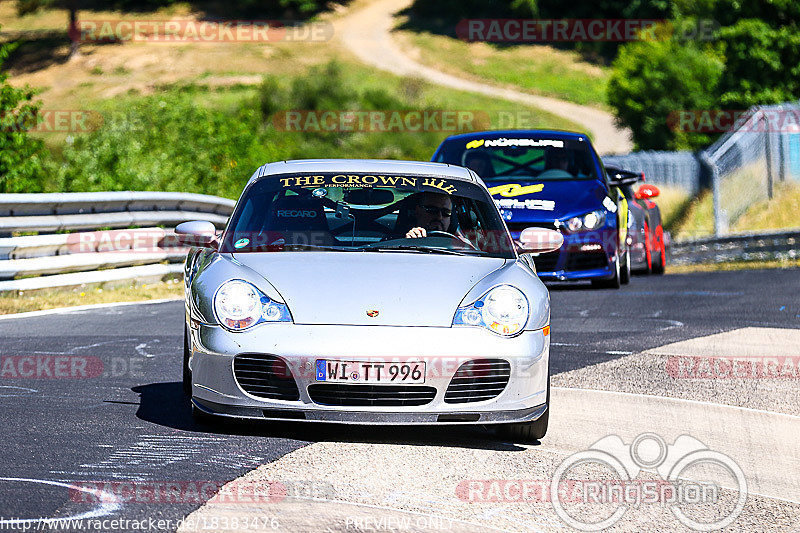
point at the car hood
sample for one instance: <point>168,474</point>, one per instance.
<point>406,289</point>
<point>555,200</point>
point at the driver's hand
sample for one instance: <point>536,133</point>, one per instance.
<point>416,233</point>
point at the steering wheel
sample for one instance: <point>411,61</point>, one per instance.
<point>435,232</point>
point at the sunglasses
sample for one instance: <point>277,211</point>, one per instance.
<point>433,210</point>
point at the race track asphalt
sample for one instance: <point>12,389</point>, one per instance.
<point>131,423</point>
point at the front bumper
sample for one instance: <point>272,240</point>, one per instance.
<point>215,388</point>
<point>587,255</point>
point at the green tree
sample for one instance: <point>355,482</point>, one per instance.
<point>21,157</point>
<point>653,80</point>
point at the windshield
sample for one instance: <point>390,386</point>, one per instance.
<point>362,212</point>
<point>497,160</point>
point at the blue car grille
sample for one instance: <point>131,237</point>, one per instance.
<point>478,380</point>
<point>546,262</point>
<point>265,376</point>
<point>586,260</point>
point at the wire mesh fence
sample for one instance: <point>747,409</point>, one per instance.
<point>682,170</point>
<point>759,155</point>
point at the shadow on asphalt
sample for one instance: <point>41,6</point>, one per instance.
<point>165,404</point>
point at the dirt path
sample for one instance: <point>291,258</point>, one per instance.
<point>366,32</point>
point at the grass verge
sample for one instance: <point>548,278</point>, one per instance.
<point>537,69</point>
<point>735,265</point>
<point>21,302</point>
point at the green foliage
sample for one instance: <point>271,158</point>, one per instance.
<point>171,142</point>
<point>762,64</point>
<point>21,157</point>
<point>653,79</point>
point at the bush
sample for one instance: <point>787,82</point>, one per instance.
<point>169,142</point>
<point>22,158</point>
<point>652,80</point>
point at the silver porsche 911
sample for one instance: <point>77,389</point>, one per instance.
<point>367,292</point>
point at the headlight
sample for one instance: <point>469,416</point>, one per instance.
<point>239,305</point>
<point>588,222</point>
<point>503,310</point>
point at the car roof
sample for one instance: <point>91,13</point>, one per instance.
<point>496,134</point>
<point>377,166</point>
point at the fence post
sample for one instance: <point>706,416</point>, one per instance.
<point>768,155</point>
<point>720,225</point>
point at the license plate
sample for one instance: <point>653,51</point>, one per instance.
<point>335,371</point>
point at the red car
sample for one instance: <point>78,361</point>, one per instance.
<point>648,246</point>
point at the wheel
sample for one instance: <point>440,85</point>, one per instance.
<point>661,262</point>
<point>648,243</point>
<point>187,372</point>
<point>625,270</point>
<point>613,283</point>
<point>201,417</point>
<point>528,431</point>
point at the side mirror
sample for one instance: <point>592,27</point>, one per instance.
<point>647,191</point>
<point>540,240</point>
<point>197,233</point>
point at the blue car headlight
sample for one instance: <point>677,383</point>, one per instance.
<point>503,310</point>
<point>239,305</point>
<point>588,222</point>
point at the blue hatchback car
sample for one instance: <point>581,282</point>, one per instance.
<point>555,180</point>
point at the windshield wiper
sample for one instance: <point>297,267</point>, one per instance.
<point>414,248</point>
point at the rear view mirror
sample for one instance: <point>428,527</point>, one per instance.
<point>369,197</point>
<point>197,233</point>
<point>647,191</point>
<point>540,240</point>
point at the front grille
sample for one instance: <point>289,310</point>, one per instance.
<point>517,227</point>
<point>546,262</point>
<point>265,376</point>
<point>478,380</point>
<point>586,260</point>
<point>370,395</point>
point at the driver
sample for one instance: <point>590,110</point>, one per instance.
<point>480,163</point>
<point>432,213</point>
<point>557,159</point>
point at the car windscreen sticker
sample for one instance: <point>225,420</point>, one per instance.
<point>609,204</point>
<point>296,213</point>
<point>241,243</point>
<point>510,190</point>
<point>528,203</point>
<point>370,180</point>
<point>319,193</point>
<point>502,142</point>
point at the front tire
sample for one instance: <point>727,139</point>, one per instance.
<point>527,432</point>
<point>625,270</point>
<point>187,372</point>
<point>660,264</point>
<point>613,283</point>
<point>201,417</point>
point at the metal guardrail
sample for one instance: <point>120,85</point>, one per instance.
<point>763,246</point>
<point>81,257</point>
